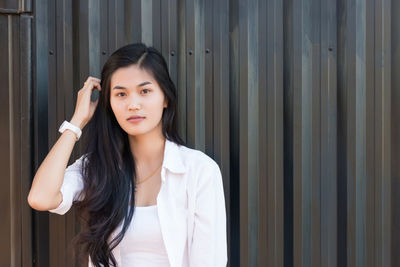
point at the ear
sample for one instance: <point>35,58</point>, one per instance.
<point>165,104</point>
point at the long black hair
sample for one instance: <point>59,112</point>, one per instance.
<point>108,168</point>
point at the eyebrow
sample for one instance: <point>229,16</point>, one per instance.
<point>139,85</point>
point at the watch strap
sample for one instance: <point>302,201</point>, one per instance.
<point>67,125</point>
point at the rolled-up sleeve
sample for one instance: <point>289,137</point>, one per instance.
<point>71,187</point>
<point>209,243</point>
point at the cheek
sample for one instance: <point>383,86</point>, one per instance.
<point>116,109</point>
<point>155,111</point>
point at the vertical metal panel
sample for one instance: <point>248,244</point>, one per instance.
<point>15,95</point>
<point>6,121</point>
<point>40,124</point>
<point>306,128</point>
<point>383,138</point>
<point>62,228</point>
<point>329,197</point>
<point>288,118</point>
<point>181,69</point>
<point>156,23</point>
<point>209,112</point>
<point>15,7</point>
<point>132,20</point>
<point>169,36</point>
<point>190,72</point>
<point>234,126</point>
<point>248,130</point>
<point>195,86</point>
<point>271,133</point>
<point>111,25</point>
<point>249,88</point>
<point>220,140</point>
<point>341,136</point>
<point>147,21</point>
<point>24,157</point>
<point>394,81</point>
<point>357,93</point>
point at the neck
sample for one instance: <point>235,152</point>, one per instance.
<point>148,149</point>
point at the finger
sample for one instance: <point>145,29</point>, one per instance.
<point>87,83</point>
<point>91,84</point>
<point>93,79</point>
<point>96,85</point>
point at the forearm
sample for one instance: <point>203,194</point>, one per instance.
<point>45,191</point>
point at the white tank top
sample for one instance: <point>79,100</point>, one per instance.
<point>143,245</point>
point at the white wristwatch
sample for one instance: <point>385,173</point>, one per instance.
<point>66,125</point>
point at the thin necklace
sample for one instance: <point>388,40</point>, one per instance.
<point>148,176</point>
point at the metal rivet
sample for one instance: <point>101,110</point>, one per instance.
<point>190,52</point>
<point>104,52</point>
<point>51,52</point>
<point>330,49</point>
<point>207,50</point>
<point>172,53</point>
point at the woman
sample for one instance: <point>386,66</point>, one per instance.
<point>146,198</point>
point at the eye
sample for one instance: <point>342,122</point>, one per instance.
<point>119,94</point>
<point>148,90</point>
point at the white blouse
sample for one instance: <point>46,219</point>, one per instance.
<point>190,208</point>
<point>142,245</point>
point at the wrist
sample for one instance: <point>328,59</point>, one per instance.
<point>70,126</point>
<point>71,133</point>
<point>77,123</point>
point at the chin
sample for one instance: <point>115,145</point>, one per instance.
<point>135,131</point>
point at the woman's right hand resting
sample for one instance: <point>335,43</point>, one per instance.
<point>85,108</point>
<point>45,190</point>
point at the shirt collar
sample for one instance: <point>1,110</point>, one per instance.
<point>172,158</point>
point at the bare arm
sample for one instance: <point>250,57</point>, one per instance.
<point>45,191</point>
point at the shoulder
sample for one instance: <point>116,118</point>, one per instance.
<point>203,174</point>
<point>197,160</point>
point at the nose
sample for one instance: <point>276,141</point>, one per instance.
<point>133,107</point>
<point>133,104</point>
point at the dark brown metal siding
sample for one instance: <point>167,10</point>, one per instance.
<point>15,123</point>
<point>389,241</point>
<point>297,100</point>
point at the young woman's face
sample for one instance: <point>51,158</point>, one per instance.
<point>135,92</point>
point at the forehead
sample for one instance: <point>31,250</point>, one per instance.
<point>131,75</point>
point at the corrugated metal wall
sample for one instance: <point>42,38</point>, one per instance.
<point>15,123</point>
<point>297,100</point>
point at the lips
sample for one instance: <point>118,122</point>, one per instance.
<point>135,117</point>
